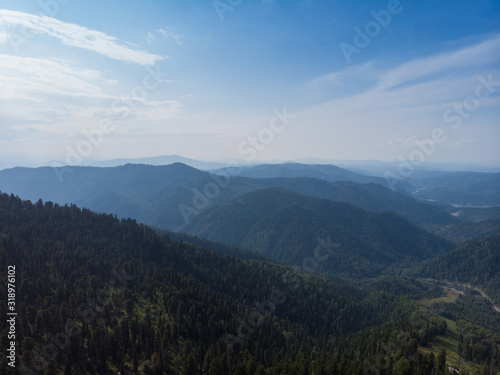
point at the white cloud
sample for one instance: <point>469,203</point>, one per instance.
<point>78,36</point>
<point>46,97</point>
<point>30,78</point>
<point>53,97</point>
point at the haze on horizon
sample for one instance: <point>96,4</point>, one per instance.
<point>266,80</point>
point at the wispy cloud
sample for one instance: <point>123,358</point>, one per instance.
<point>415,71</point>
<point>51,96</point>
<point>168,33</point>
<point>394,108</point>
<point>164,33</point>
<point>343,76</point>
<point>3,37</point>
<point>150,38</point>
<point>412,142</point>
<point>398,143</point>
<point>44,97</point>
<point>479,54</point>
<point>33,79</point>
<point>460,143</point>
<point>419,82</point>
<point>77,36</point>
<point>143,110</point>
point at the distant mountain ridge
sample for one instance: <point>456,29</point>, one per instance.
<point>462,188</point>
<point>158,160</point>
<point>325,172</point>
<point>369,196</point>
<point>169,196</point>
<point>149,194</point>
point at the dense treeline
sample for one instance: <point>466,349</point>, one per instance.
<point>473,308</point>
<point>478,344</point>
<point>462,232</point>
<point>476,262</point>
<point>213,245</point>
<point>97,295</point>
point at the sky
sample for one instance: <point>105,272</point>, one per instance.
<point>250,80</point>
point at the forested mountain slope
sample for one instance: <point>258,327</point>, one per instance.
<point>370,196</point>
<point>287,226</point>
<point>95,294</point>
<point>476,262</point>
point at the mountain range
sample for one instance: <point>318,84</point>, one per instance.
<point>255,270</point>
<point>117,296</point>
<point>169,196</point>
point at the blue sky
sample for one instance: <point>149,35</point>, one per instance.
<point>251,80</point>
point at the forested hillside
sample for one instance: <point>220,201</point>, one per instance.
<point>286,226</point>
<point>476,262</point>
<point>462,232</point>
<point>369,196</point>
<point>98,295</point>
